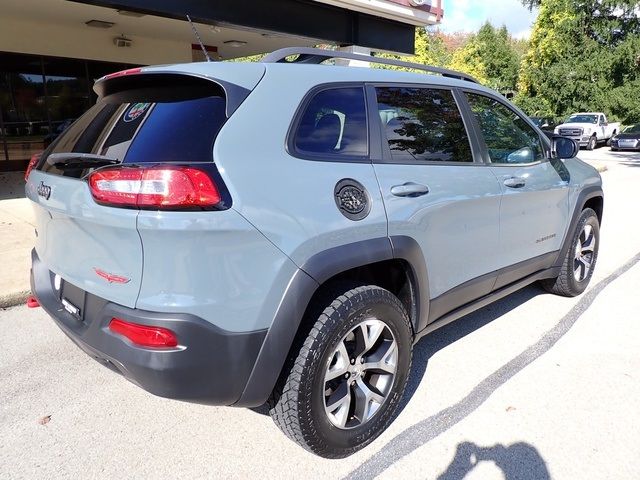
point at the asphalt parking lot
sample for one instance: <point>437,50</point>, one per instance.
<point>532,387</point>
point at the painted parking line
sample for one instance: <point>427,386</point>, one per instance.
<point>428,429</point>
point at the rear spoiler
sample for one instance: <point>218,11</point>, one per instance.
<point>138,78</point>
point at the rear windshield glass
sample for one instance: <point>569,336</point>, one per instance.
<point>153,125</point>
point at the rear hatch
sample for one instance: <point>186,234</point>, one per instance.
<point>142,120</point>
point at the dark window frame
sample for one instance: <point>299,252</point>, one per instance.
<point>387,156</point>
<point>290,140</point>
<point>544,140</point>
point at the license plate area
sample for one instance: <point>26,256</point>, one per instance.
<point>73,299</point>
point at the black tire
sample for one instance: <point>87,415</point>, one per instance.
<point>566,284</point>
<point>593,142</point>
<point>297,404</point>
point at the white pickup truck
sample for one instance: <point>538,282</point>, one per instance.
<point>588,129</point>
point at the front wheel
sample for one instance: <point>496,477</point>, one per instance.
<point>580,260</point>
<point>342,389</point>
<point>593,141</point>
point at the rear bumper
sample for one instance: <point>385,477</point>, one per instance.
<point>625,146</point>
<point>210,365</point>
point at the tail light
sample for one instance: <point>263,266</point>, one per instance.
<point>32,163</point>
<point>144,335</point>
<point>161,187</point>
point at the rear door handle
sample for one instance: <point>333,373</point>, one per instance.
<point>410,190</point>
<point>515,182</point>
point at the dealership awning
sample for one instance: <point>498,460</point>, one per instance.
<point>386,25</point>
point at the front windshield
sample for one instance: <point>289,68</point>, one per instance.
<point>632,128</point>
<point>583,119</point>
<point>537,121</point>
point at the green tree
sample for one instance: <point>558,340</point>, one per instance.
<point>491,56</point>
<point>430,48</point>
<point>583,55</point>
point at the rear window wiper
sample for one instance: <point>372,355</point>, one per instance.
<point>79,160</point>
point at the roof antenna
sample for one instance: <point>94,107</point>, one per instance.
<point>195,31</point>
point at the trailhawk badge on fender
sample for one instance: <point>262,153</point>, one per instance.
<point>352,199</point>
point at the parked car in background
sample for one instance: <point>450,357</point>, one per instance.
<point>588,129</point>
<point>547,125</point>
<point>628,139</point>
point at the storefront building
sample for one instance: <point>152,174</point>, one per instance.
<point>51,51</point>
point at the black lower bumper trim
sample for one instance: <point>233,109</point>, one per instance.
<point>209,366</point>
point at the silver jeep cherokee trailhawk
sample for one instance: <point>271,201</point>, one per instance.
<point>283,232</point>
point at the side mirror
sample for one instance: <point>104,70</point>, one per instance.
<point>563,147</point>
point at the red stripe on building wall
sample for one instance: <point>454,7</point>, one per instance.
<point>435,8</point>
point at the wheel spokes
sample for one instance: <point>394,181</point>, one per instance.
<point>338,405</point>
<point>360,373</point>
<point>588,246</point>
<point>339,365</point>
<point>385,359</point>
<point>367,401</point>
<point>371,331</point>
<point>584,253</point>
<point>586,233</point>
<point>582,266</point>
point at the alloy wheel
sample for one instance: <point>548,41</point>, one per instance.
<point>584,253</point>
<point>360,374</point>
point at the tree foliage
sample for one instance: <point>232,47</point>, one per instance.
<point>491,56</point>
<point>430,49</point>
<point>583,55</point>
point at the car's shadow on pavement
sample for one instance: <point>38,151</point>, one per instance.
<point>428,346</point>
<point>445,336</point>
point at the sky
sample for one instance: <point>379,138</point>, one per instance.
<point>469,15</point>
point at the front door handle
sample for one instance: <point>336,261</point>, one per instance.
<point>515,182</point>
<point>410,190</point>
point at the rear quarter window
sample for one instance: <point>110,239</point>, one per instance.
<point>333,125</point>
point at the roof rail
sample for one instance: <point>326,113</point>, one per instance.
<point>318,55</point>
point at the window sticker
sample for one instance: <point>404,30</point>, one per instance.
<point>135,111</point>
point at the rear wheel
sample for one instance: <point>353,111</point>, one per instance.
<point>580,261</point>
<point>341,390</point>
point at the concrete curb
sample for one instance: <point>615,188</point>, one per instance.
<point>12,299</point>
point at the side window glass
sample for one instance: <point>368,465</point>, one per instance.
<point>334,123</point>
<point>508,137</point>
<point>423,124</point>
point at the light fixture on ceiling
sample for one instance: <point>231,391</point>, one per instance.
<point>129,13</point>
<point>99,24</point>
<point>235,43</point>
<point>122,41</point>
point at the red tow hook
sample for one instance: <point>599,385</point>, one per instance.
<point>32,302</point>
